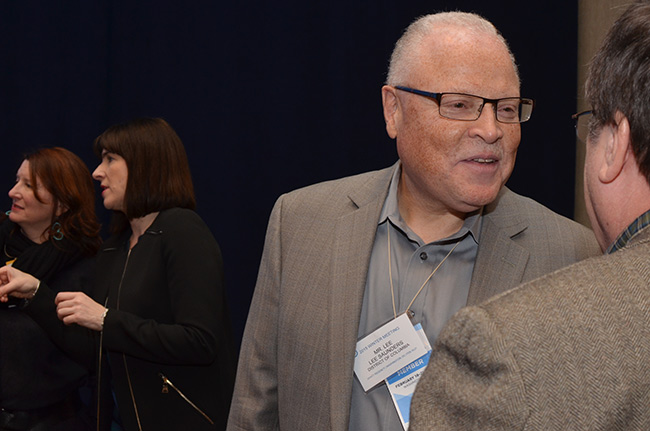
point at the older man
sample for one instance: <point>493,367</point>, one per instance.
<point>423,238</point>
<point>570,351</point>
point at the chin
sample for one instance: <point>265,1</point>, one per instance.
<point>108,204</point>
<point>477,201</point>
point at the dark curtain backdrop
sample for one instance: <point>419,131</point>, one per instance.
<point>267,96</point>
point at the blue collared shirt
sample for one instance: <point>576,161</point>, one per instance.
<point>635,227</point>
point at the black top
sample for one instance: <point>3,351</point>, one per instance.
<point>167,319</point>
<point>34,373</point>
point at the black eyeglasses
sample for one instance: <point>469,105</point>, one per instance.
<point>582,120</point>
<point>467,107</point>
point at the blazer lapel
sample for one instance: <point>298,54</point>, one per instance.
<point>500,261</point>
<point>355,235</point>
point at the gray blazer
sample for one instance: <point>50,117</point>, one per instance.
<point>296,362</point>
<point>569,351</point>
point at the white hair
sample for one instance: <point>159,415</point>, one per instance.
<point>424,25</point>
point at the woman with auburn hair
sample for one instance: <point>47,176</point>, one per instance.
<point>157,318</point>
<point>51,232</point>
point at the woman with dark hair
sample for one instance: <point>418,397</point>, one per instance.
<point>157,315</point>
<point>51,231</point>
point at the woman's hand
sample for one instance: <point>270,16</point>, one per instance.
<point>14,282</point>
<point>77,307</point>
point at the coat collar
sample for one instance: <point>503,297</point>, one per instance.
<point>500,261</point>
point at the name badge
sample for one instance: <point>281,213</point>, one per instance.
<point>386,350</point>
<point>401,385</point>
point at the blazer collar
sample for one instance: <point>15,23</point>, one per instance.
<point>500,261</point>
<point>505,214</point>
<point>374,189</point>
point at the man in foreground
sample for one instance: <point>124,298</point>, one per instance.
<point>571,350</point>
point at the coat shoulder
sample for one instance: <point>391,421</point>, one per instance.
<point>540,224</point>
<point>337,196</point>
<point>509,202</point>
<point>343,185</point>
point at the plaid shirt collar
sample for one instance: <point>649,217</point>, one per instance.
<point>642,221</point>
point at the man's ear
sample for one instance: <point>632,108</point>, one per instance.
<point>618,150</point>
<point>391,109</point>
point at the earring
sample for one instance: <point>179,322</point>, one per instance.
<point>57,234</point>
<point>8,212</point>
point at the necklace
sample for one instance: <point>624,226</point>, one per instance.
<point>390,276</point>
<point>12,259</point>
<point>7,253</point>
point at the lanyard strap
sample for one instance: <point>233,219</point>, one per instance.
<point>390,274</point>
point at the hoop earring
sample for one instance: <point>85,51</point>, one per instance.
<point>57,234</point>
<point>7,213</point>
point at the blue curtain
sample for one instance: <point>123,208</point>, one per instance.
<point>267,96</point>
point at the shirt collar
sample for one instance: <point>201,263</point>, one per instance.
<point>390,211</point>
<point>635,227</point>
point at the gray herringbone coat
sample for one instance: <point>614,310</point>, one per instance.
<point>569,351</point>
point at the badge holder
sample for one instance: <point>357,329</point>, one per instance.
<point>387,350</point>
<point>401,385</point>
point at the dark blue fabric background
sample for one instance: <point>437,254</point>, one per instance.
<point>267,96</point>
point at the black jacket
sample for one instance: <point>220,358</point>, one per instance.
<point>35,373</point>
<point>166,345</point>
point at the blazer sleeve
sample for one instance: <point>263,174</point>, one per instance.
<point>472,381</point>
<point>255,401</point>
<point>194,282</point>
